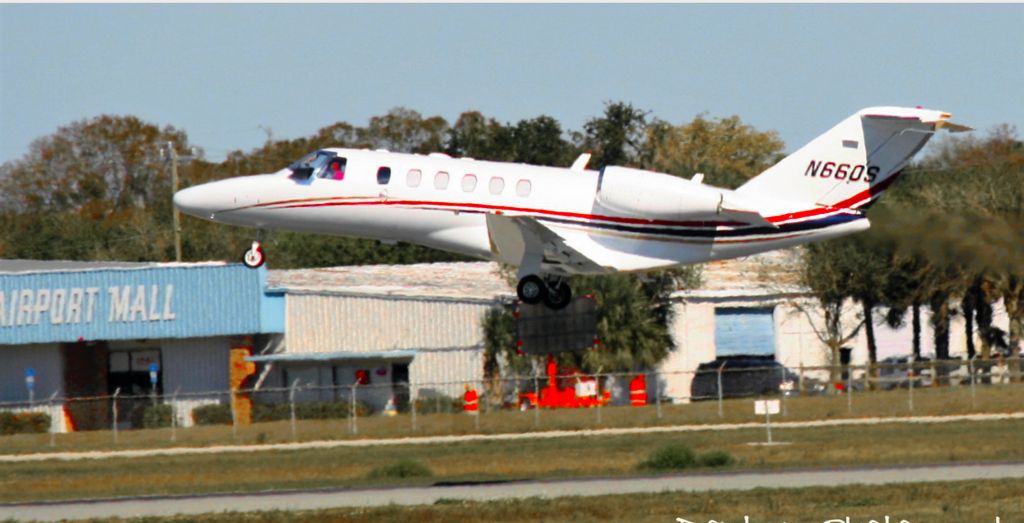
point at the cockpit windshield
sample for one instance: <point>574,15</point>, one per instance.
<point>311,165</point>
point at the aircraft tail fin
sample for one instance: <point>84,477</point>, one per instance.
<point>851,164</point>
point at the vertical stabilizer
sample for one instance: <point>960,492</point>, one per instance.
<point>852,163</point>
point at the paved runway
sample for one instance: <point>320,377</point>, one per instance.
<point>321,499</point>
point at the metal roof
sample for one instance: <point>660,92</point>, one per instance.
<point>290,357</point>
<point>770,273</point>
<point>472,280</point>
<point>766,274</point>
<point>20,266</point>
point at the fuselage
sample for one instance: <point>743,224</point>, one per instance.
<point>442,202</point>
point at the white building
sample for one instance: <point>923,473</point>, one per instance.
<point>413,326</point>
<point>421,325</point>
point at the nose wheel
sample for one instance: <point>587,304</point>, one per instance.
<point>555,292</point>
<point>254,257</point>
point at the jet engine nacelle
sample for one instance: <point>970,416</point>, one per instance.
<point>657,195</point>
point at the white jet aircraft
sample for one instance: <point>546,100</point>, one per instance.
<point>555,222</point>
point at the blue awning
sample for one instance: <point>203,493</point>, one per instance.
<point>313,357</point>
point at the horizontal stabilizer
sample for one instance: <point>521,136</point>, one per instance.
<point>733,210</point>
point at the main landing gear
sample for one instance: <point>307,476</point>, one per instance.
<point>554,292</point>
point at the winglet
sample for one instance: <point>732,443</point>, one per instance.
<point>952,127</point>
<point>581,163</point>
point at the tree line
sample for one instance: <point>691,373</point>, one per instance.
<point>948,237</point>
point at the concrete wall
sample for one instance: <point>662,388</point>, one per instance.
<point>45,359</point>
<point>693,330</point>
<point>339,322</point>
<point>195,365</point>
<point>446,334</point>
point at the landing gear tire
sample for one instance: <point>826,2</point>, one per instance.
<point>254,257</point>
<point>531,290</point>
<point>558,296</point>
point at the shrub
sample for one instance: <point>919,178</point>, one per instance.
<point>308,410</point>
<point>270,412</point>
<point>157,416</point>
<point>681,457</point>
<point>716,458</point>
<point>671,457</point>
<point>23,422</point>
<point>439,403</point>
<point>212,415</point>
<point>403,469</point>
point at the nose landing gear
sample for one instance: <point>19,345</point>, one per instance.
<point>254,257</point>
<point>554,292</point>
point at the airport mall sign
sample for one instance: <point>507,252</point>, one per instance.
<point>171,301</point>
<point>78,305</point>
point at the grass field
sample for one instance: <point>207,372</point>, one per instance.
<point>926,401</point>
<point>963,502</point>
<point>885,444</point>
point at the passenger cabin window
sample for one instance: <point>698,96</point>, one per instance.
<point>383,175</point>
<point>497,185</point>
<point>523,188</point>
<point>413,177</point>
<point>469,183</point>
<point>441,180</point>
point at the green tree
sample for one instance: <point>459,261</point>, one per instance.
<point>477,136</point>
<point>404,130</point>
<point>826,268</point>
<point>728,151</point>
<point>634,312</point>
<point>617,137</point>
<point>94,189</point>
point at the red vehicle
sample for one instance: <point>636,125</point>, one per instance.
<point>572,390</point>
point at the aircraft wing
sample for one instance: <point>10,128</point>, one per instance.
<point>514,238</point>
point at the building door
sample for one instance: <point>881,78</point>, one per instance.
<point>129,372</point>
<point>85,376</point>
<point>400,385</point>
<point>744,331</point>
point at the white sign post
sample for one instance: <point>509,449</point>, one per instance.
<point>767,408</point>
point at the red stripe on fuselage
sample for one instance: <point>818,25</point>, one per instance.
<point>487,207</point>
<point>849,203</point>
<point>338,201</point>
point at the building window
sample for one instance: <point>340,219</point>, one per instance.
<point>412,178</point>
<point>441,180</point>
<point>468,183</point>
<point>497,185</point>
<point>523,188</point>
<point>383,175</point>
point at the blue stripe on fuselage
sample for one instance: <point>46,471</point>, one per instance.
<point>789,228</point>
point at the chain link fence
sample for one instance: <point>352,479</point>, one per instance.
<point>716,392</point>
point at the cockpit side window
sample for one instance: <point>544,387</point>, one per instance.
<point>315,165</point>
<point>335,169</point>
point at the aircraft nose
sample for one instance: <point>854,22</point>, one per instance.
<point>198,201</point>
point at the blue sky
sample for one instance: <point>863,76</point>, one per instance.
<point>221,71</point>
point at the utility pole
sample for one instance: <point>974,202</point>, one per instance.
<point>174,188</point>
